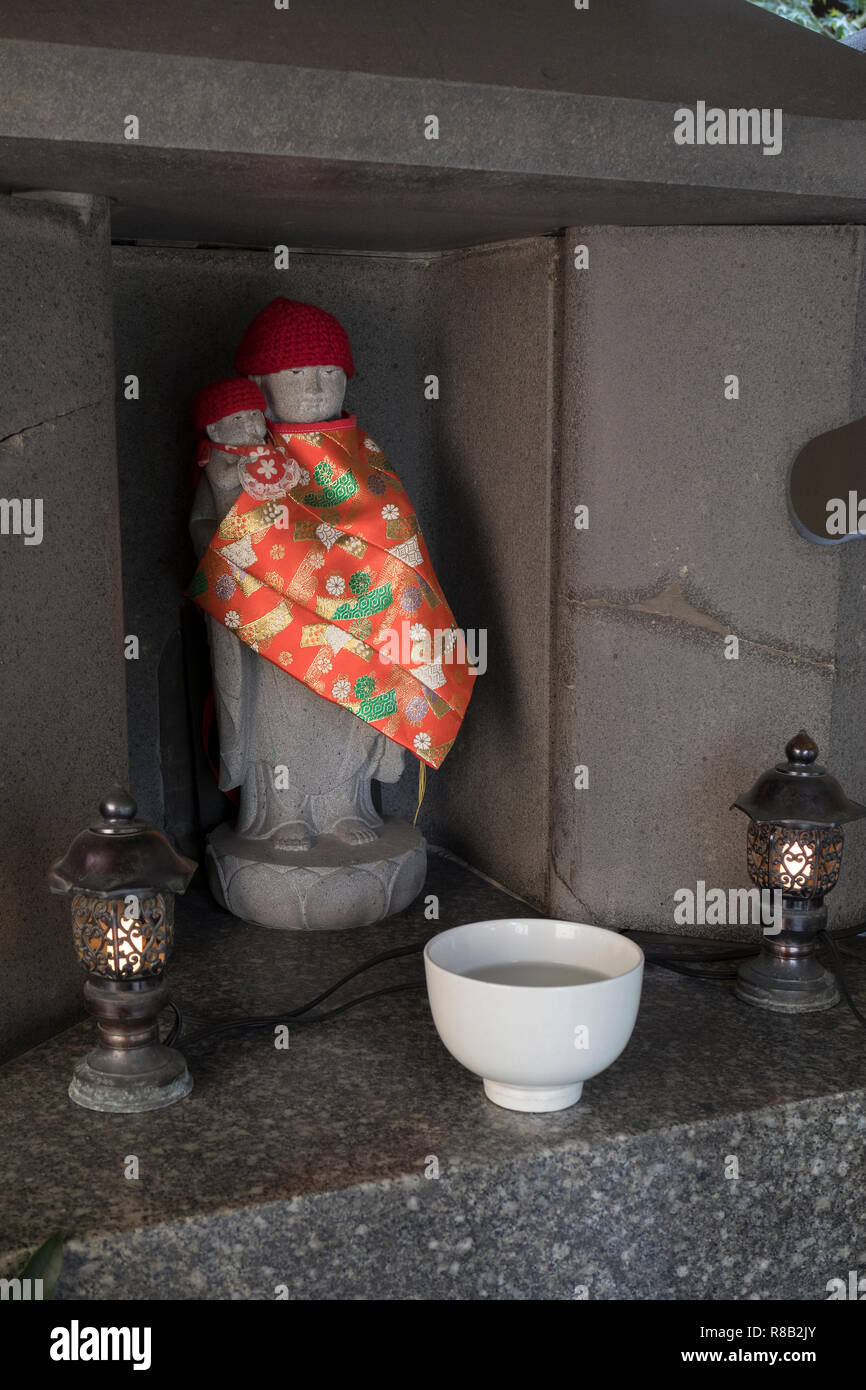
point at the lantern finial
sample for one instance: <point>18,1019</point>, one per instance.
<point>118,805</point>
<point>801,749</point>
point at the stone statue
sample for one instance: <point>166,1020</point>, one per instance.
<point>309,849</point>
<point>332,645</point>
<point>303,767</point>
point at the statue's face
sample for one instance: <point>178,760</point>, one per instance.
<point>244,427</point>
<point>304,394</point>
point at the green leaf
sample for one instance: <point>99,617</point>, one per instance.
<point>45,1263</point>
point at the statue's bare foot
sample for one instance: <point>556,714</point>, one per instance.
<point>293,837</point>
<point>354,831</point>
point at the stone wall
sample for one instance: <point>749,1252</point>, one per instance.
<point>689,542</point>
<point>62,681</point>
<point>494,348</point>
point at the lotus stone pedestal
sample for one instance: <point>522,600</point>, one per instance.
<point>327,888</point>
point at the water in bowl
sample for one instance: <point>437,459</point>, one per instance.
<point>536,973</point>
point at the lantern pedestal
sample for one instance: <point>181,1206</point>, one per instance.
<point>786,978</point>
<point>120,1095</point>
<point>130,1071</point>
<point>786,984</point>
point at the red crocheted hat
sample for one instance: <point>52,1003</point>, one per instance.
<point>289,333</point>
<point>223,398</point>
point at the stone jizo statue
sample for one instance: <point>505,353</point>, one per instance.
<point>303,732</point>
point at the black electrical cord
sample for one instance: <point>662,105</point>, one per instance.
<point>671,962</point>
<point>254,1021</point>
<point>174,1031</point>
<point>844,932</point>
<point>686,963</point>
<point>689,963</point>
<point>294,1016</point>
<point>841,977</point>
<point>694,974</point>
<point>729,953</point>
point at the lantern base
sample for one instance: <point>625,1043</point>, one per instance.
<point>786,984</point>
<point>130,1070</point>
<point>151,1080</point>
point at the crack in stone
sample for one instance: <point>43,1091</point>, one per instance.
<point>586,915</point>
<point>557,875</point>
<point>41,424</point>
<point>672,603</point>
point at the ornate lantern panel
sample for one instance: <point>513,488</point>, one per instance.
<point>124,938</point>
<point>800,861</point>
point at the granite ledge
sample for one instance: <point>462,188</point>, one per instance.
<point>302,1173</point>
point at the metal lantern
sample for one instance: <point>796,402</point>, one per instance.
<point>122,875</point>
<point>796,812</point>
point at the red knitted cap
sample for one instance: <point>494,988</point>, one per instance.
<point>223,398</point>
<point>289,333</point>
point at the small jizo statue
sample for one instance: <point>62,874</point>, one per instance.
<point>323,607</point>
<point>303,769</point>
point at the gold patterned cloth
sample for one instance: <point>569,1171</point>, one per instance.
<point>332,582</point>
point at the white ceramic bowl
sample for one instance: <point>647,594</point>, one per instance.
<point>533,1044</point>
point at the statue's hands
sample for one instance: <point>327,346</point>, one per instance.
<point>222,472</point>
<point>208,509</point>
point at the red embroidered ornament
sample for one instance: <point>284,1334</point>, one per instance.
<point>266,472</point>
